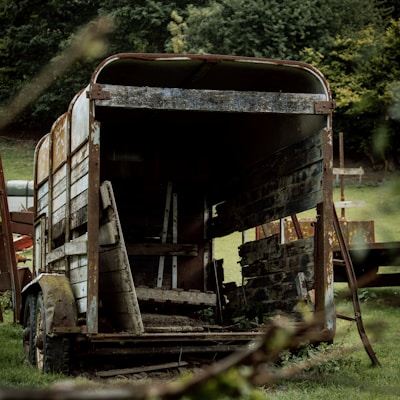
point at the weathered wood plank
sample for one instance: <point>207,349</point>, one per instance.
<point>59,201</point>
<point>108,234</point>
<point>210,100</point>
<point>114,372</point>
<point>80,290</point>
<point>348,171</point>
<point>270,249</point>
<point>177,296</point>
<point>67,249</point>
<point>80,155</point>
<point>287,182</point>
<point>78,269</point>
<point>79,186</point>
<point>79,169</point>
<point>162,249</point>
<point>79,210</point>
<point>286,197</point>
<point>349,204</point>
<point>123,305</point>
<point>286,161</point>
<point>42,203</point>
<point>299,263</point>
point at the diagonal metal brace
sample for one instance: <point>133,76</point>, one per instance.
<point>352,280</point>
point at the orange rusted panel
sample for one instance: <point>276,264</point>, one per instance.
<point>43,159</point>
<point>353,231</point>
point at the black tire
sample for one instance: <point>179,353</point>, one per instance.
<point>29,324</point>
<point>52,352</point>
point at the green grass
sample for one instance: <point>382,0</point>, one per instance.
<point>15,370</point>
<point>381,206</point>
<point>17,158</point>
<point>355,377</point>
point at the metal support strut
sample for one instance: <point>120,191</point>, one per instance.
<point>352,280</point>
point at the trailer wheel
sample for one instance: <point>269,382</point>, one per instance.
<point>29,324</point>
<point>52,352</point>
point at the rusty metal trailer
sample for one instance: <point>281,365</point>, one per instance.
<point>159,157</point>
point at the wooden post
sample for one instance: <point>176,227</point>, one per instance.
<point>7,245</point>
<point>341,165</point>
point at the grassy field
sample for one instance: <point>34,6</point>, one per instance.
<point>347,374</point>
<point>17,158</point>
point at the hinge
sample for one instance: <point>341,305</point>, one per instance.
<point>97,93</point>
<point>324,107</point>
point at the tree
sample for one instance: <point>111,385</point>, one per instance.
<point>364,75</point>
<point>33,34</point>
<point>273,28</point>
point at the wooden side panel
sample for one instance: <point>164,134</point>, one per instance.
<point>42,199</point>
<point>59,198</point>
<point>270,269</point>
<point>287,183</point>
<point>79,186</point>
<point>78,279</point>
<point>116,287</point>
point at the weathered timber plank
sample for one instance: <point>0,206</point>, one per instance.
<point>281,287</point>
<point>287,182</point>
<point>114,281</point>
<point>299,263</point>
<point>286,161</point>
<point>23,229</point>
<point>79,210</point>
<point>124,311</point>
<point>23,217</point>
<point>59,201</point>
<point>79,186</point>
<point>80,290</point>
<point>58,228</point>
<point>67,249</point>
<point>43,189</point>
<point>276,199</point>
<point>348,171</point>
<point>349,204</point>
<point>42,203</point>
<point>81,304</point>
<point>209,100</point>
<point>114,372</point>
<point>79,169</point>
<point>108,234</point>
<point>59,179</point>
<point>79,155</point>
<point>78,275</point>
<point>270,249</point>
<point>79,202</point>
<point>162,249</point>
<point>178,296</point>
<point>59,215</point>
<point>281,163</point>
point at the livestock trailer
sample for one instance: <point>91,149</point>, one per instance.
<point>157,159</point>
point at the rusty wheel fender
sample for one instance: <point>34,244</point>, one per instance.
<point>60,307</point>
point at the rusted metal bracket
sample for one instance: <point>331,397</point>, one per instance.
<point>352,280</point>
<point>97,93</point>
<point>324,107</point>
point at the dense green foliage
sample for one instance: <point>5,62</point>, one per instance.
<point>363,72</point>
<point>359,56</point>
